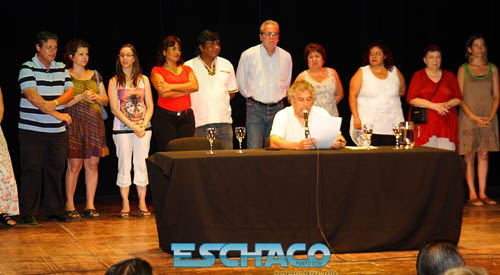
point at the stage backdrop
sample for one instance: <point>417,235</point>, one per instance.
<point>343,27</point>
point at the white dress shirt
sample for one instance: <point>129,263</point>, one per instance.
<point>264,78</point>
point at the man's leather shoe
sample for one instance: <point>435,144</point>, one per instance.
<point>30,220</point>
<point>55,218</point>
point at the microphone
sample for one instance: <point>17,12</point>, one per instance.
<point>305,113</point>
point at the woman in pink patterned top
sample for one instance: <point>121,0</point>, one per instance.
<point>131,102</point>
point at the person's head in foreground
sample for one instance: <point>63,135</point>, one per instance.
<point>466,270</point>
<point>438,256</point>
<point>133,266</point>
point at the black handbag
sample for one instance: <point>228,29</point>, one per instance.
<point>418,115</point>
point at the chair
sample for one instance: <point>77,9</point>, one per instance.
<point>192,143</point>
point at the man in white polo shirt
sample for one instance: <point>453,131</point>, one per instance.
<point>217,85</point>
<point>288,131</point>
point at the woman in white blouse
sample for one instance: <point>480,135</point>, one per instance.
<point>374,94</point>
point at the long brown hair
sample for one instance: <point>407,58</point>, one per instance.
<point>136,68</point>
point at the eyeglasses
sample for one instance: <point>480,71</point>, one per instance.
<point>174,49</point>
<point>268,34</point>
<point>50,48</point>
<point>212,44</point>
<point>125,55</point>
<point>376,54</point>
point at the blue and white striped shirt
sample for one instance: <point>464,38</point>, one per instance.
<point>50,84</point>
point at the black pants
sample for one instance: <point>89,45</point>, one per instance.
<point>167,125</point>
<point>43,159</point>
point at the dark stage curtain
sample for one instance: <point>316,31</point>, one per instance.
<point>343,27</point>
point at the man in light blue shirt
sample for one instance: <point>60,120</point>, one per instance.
<point>264,74</point>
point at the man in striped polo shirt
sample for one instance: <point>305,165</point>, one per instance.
<point>45,87</point>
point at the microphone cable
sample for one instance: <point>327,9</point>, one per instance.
<point>318,218</point>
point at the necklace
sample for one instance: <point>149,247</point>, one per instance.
<point>175,70</point>
<point>211,70</point>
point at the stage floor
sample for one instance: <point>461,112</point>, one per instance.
<point>91,246</point>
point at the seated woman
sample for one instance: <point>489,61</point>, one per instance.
<point>288,125</point>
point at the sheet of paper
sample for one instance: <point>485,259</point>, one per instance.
<point>325,130</point>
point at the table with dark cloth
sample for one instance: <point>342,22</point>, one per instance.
<point>369,200</point>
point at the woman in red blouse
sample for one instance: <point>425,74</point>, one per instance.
<point>436,90</point>
<point>174,83</point>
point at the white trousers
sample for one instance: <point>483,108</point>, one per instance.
<point>441,143</point>
<point>131,149</point>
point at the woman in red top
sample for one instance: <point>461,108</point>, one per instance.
<point>436,90</point>
<point>174,83</point>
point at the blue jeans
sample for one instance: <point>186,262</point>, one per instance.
<point>224,133</point>
<point>259,122</point>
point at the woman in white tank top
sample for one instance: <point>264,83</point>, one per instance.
<point>374,95</point>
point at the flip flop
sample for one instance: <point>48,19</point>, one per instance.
<point>91,214</point>
<point>143,213</point>
<point>72,214</point>
<point>5,219</point>
<point>475,202</point>
<point>125,215</point>
<point>488,201</point>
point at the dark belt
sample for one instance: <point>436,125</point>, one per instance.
<point>177,113</point>
<point>264,104</point>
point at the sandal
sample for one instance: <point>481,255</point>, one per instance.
<point>7,220</point>
<point>124,215</point>
<point>488,201</point>
<point>143,213</point>
<point>72,214</point>
<point>475,202</point>
<point>91,214</point>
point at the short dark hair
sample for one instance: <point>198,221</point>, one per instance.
<point>133,266</point>
<point>438,256</point>
<point>44,36</point>
<point>314,47</point>
<point>71,49</point>
<point>432,48</point>
<point>169,41</point>
<point>204,36</point>
<point>388,62</point>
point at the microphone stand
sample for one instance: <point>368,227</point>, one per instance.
<point>306,124</point>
